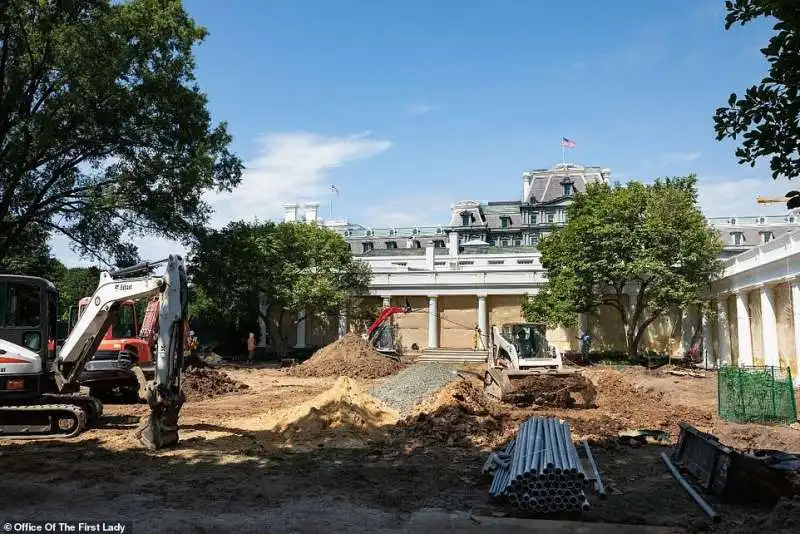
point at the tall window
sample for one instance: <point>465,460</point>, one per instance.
<point>567,190</point>
<point>504,222</point>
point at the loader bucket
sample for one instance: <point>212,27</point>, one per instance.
<point>508,386</point>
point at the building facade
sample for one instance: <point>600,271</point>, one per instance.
<point>473,271</point>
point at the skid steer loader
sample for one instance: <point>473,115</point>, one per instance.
<point>518,351</point>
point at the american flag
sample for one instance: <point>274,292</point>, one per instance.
<point>567,143</point>
<point>334,189</point>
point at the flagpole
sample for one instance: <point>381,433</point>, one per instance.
<point>330,207</point>
<point>563,153</point>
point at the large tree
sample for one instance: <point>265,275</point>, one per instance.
<point>104,133</point>
<point>641,249</point>
<point>277,271</point>
<point>766,115</point>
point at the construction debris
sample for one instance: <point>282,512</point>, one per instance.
<point>458,416</point>
<point>349,356</point>
<point>540,471</point>
<point>204,382</point>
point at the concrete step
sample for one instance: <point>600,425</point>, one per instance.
<point>445,355</point>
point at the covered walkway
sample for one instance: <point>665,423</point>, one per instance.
<point>757,303</point>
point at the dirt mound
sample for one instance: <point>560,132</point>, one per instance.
<point>350,356</point>
<point>341,413</point>
<point>458,416</point>
<point>553,391</point>
<point>204,382</point>
<point>637,407</point>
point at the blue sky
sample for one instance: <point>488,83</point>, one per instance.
<point>409,106</point>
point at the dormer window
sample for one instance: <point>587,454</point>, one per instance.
<point>766,237</point>
<point>466,218</point>
<point>732,220</point>
<point>505,221</point>
<point>567,189</point>
<point>737,238</point>
<point>791,219</point>
<point>392,231</point>
<point>391,244</point>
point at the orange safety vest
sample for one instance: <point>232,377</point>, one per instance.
<point>251,344</point>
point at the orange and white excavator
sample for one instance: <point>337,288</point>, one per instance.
<point>126,345</point>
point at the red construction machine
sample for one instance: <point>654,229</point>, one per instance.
<point>127,348</point>
<point>379,335</point>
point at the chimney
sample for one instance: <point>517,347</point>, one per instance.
<point>430,263</point>
<point>311,212</point>
<point>289,212</point>
<point>452,244</point>
<point>526,186</point>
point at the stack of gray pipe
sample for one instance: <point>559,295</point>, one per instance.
<point>540,471</point>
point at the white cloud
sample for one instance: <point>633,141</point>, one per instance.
<point>678,157</point>
<point>422,109</point>
<point>729,198</point>
<point>418,210</point>
<point>289,167</point>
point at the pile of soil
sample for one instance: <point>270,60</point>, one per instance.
<point>553,391</point>
<point>204,382</point>
<point>341,414</point>
<point>458,416</point>
<point>349,356</point>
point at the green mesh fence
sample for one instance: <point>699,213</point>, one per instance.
<point>756,395</point>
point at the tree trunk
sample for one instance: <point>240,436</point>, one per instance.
<point>280,340</point>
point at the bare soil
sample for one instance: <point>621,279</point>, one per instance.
<point>349,356</point>
<point>317,454</point>
<point>204,382</point>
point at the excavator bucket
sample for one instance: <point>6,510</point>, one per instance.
<point>159,429</point>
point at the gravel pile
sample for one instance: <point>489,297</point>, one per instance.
<point>413,384</point>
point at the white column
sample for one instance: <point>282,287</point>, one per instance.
<point>433,322</point>
<point>301,330</point>
<point>796,317</point>
<point>723,331</point>
<point>744,340</point>
<point>708,361</point>
<point>769,326</point>
<point>343,323</point>
<point>387,301</point>
<point>483,322</point>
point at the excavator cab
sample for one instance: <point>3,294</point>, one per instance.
<point>28,325</point>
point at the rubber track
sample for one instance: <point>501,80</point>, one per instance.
<point>76,412</point>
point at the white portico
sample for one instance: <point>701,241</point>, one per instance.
<point>758,306</point>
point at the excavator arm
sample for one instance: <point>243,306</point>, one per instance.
<point>164,396</point>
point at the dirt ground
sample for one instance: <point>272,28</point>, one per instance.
<point>255,459</point>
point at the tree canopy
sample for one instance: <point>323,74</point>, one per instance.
<point>278,270</point>
<point>766,115</point>
<point>104,134</point>
<point>648,240</point>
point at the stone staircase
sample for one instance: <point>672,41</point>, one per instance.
<point>444,355</point>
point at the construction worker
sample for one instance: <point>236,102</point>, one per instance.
<point>585,338</point>
<point>476,334</point>
<point>251,347</point>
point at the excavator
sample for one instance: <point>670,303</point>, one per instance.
<point>376,333</point>
<point>40,391</point>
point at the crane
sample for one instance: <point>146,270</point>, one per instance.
<point>792,200</point>
<point>40,393</point>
